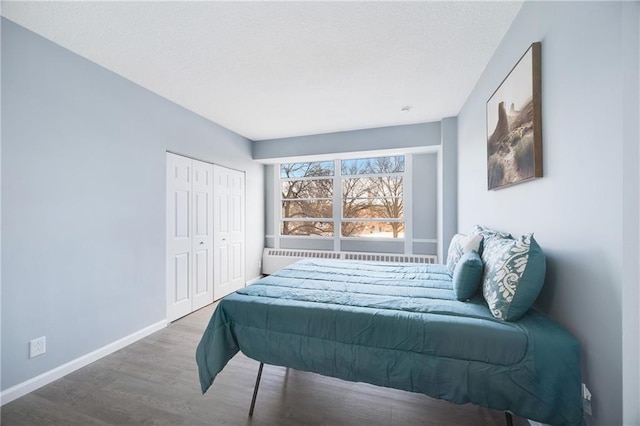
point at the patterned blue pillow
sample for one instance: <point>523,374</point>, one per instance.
<point>514,271</point>
<point>487,234</point>
<point>467,276</point>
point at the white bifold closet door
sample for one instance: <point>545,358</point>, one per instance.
<point>189,235</point>
<point>229,231</point>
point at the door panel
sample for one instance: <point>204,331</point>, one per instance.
<point>203,233</point>
<point>229,231</point>
<point>201,220</point>
<point>181,278</point>
<point>189,235</point>
<point>179,225</point>
<point>223,213</point>
<point>236,261</point>
<point>224,264</point>
<point>236,214</point>
<point>181,221</point>
<point>201,260</point>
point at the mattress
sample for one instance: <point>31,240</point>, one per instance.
<point>399,326</point>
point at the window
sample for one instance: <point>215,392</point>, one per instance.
<point>372,197</point>
<point>307,198</point>
<point>365,199</point>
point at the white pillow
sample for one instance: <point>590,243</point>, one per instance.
<point>461,244</point>
<point>472,243</point>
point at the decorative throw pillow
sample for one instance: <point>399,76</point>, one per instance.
<point>472,243</point>
<point>467,276</point>
<point>514,272</point>
<point>461,244</point>
<point>487,234</point>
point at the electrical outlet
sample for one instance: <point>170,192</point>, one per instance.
<point>37,347</point>
<point>586,399</point>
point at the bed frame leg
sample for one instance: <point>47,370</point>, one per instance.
<point>509,418</point>
<point>255,390</point>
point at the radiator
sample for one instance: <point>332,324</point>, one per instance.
<point>274,259</point>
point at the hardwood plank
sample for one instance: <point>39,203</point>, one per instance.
<point>155,382</point>
<point>34,410</point>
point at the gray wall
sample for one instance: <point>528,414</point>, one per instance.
<point>425,202</point>
<point>268,204</point>
<point>576,210</point>
<point>408,136</point>
<point>631,213</point>
<point>424,178</point>
<point>448,158</point>
<point>83,201</point>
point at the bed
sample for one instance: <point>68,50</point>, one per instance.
<point>399,326</point>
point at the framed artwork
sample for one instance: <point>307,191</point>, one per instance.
<point>514,125</point>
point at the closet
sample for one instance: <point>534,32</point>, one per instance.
<point>204,232</point>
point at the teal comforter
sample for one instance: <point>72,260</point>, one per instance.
<point>399,326</point>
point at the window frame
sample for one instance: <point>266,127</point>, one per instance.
<point>337,219</point>
<point>279,217</point>
<point>373,219</point>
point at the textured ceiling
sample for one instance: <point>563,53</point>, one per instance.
<point>277,69</point>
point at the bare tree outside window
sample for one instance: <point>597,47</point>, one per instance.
<point>372,198</point>
<point>306,195</point>
<point>376,198</point>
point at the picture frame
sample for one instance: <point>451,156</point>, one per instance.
<point>514,124</point>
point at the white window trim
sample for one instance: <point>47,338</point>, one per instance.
<point>305,237</point>
<point>337,203</point>
<point>277,206</point>
<point>407,182</point>
<point>407,204</point>
<point>369,219</point>
<point>305,219</point>
<point>375,175</point>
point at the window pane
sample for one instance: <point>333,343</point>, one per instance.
<point>375,187</point>
<point>374,208</point>
<point>294,170</point>
<point>319,229</point>
<point>373,229</point>
<point>315,188</point>
<point>373,165</point>
<point>304,209</point>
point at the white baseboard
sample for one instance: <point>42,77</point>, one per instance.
<point>43,379</point>
<point>253,280</point>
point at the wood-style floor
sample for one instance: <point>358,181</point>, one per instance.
<point>154,382</point>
